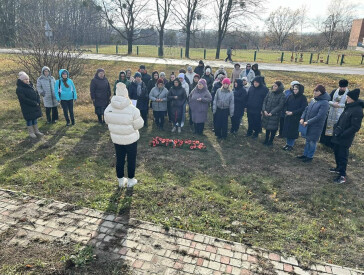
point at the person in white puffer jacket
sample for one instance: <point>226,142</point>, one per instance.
<point>124,121</point>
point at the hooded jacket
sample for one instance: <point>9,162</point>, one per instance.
<point>100,90</point>
<point>240,98</point>
<point>123,118</point>
<point>61,91</point>
<point>126,81</point>
<point>200,69</point>
<point>45,87</point>
<point>349,123</point>
<point>250,75</point>
<point>142,97</point>
<point>209,78</point>
<point>224,99</point>
<point>256,96</point>
<point>315,115</point>
<point>29,100</point>
<point>159,93</point>
<point>199,108</point>
<point>152,82</point>
<point>273,103</point>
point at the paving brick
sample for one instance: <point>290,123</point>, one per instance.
<point>229,269</point>
<point>211,249</point>
<point>138,264</point>
<point>214,265</point>
<point>252,259</point>
<point>57,233</point>
<point>178,265</point>
<point>287,267</point>
<point>225,252</point>
<point>199,238</point>
<point>225,260</point>
<point>274,257</point>
<point>200,261</point>
<point>340,271</point>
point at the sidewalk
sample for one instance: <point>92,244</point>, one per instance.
<point>145,247</point>
<point>185,62</point>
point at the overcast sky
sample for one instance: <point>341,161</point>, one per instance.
<point>314,8</point>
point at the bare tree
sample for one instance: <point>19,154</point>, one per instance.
<point>125,13</point>
<point>281,23</point>
<point>163,11</point>
<point>185,12</point>
<point>7,22</point>
<point>340,15</point>
<point>41,51</point>
<point>229,14</point>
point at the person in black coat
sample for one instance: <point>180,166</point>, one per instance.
<point>256,95</point>
<point>295,104</point>
<point>29,103</point>
<point>100,93</point>
<point>240,98</point>
<point>256,70</point>
<point>145,76</point>
<point>209,77</point>
<point>200,69</point>
<point>153,81</point>
<point>344,132</point>
<point>177,97</point>
<point>138,91</point>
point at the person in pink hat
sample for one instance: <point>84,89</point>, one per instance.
<point>223,107</point>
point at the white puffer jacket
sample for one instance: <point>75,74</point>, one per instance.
<point>123,118</point>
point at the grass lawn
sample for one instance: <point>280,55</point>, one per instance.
<point>238,189</point>
<point>352,58</point>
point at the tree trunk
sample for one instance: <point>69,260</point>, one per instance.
<point>218,47</point>
<point>130,43</point>
<point>161,44</point>
<point>188,38</point>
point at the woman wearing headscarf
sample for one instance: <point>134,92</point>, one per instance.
<point>293,109</point>
<point>66,93</point>
<point>29,103</point>
<point>272,109</point>
<point>122,79</point>
<point>240,98</point>
<point>199,100</point>
<point>124,121</point>
<point>100,93</point>
<point>314,118</point>
<point>208,76</point>
<point>45,87</point>
<point>177,97</point>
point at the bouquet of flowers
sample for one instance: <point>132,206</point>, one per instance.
<point>178,143</point>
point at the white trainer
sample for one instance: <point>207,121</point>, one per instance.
<point>123,182</point>
<point>132,182</point>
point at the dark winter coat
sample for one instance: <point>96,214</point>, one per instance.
<point>169,85</point>
<point>240,98</point>
<point>349,123</point>
<point>256,96</point>
<point>256,70</point>
<point>145,78</point>
<point>177,104</point>
<point>126,82</point>
<point>295,103</point>
<point>216,86</point>
<point>200,108</point>
<point>100,91</point>
<point>315,114</point>
<point>152,82</point>
<point>29,100</point>
<point>200,70</point>
<point>209,78</point>
<point>142,98</point>
<point>273,103</point>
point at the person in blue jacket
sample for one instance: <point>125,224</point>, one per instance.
<point>314,118</point>
<point>66,93</point>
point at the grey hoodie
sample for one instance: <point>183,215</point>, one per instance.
<point>45,87</point>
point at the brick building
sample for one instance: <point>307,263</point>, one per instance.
<point>356,34</point>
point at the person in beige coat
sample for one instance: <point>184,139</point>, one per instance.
<point>124,121</point>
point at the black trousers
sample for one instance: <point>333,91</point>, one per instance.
<point>281,125</point>
<point>221,122</point>
<point>54,112</point>
<point>199,128</point>
<point>144,115</point>
<point>269,135</point>
<point>228,58</point>
<point>341,158</point>
<point>67,106</point>
<point>235,123</point>
<point>129,151</point>
<point>159,118</point>
<point>254,123</point>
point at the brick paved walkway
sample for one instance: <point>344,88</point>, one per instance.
<point>146,247</point>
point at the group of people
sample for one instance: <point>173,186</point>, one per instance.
<point>335,117</point>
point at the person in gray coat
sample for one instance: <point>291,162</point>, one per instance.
<point>272,108</point>
<point>223,107</point>
<point>159,96</point>
<point>313,119</point>
<point>45,88</point>
<point>199,100</point>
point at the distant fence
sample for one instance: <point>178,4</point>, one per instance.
<point>349,58</point>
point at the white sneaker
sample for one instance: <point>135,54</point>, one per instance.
<point>132,182</point>
<point>179,130</point>
<point>123,182</point>
<point>174,129</point>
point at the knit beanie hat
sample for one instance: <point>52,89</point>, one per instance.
<point>226,81</point>
<point>244,78</point>
<point>237,65</point>
<point>189,69</point>
<point>354,94</point>
<point>142,67</point>
<point>200,62</point>
<point>162,74</point>
<point>320,88</point>
<point>23,76</point>
<point>295,82</point>
<point>159,81</point>
<point>343,83</point>
<point>181,75</point>
<point>20,73</point>
<point>203,82</point>
<point>137,74</point>
<point>197,75</point>
<point>208,70</point>
<point>121,90</point>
